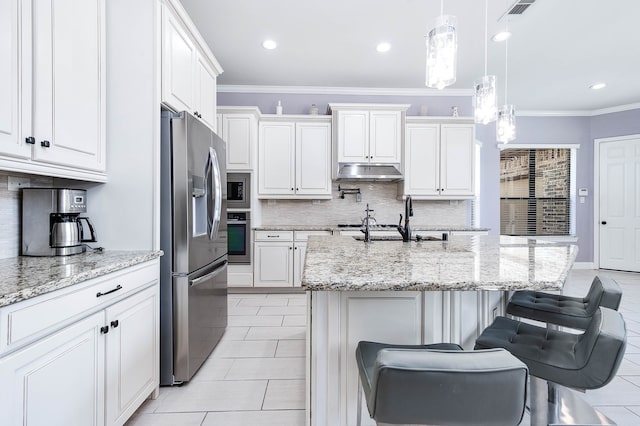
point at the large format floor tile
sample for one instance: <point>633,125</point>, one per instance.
<point>284,395</point>
<point>167,419</point>
<point>267,368</point>
<point>216,395</point>
<point>256,418</point>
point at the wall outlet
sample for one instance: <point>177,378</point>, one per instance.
<point>14,183</point>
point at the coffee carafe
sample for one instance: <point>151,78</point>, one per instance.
<point>51,222</point>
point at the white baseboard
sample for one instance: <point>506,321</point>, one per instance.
<point>584,265</point>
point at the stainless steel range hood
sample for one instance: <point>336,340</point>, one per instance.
<point>369,172</point>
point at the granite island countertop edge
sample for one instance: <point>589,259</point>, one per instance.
<point>23,277</point>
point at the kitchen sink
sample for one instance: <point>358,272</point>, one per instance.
<point>398,238</point>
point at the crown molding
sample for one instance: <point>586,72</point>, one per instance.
<point>315,90</point>
<point>619,108</point>
<point>568,113</point>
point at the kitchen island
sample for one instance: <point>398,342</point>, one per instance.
<point>413,293</point>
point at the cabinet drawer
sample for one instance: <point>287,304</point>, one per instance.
<point>27,321</point>
<point>304,235</point>
<point>274,236</point>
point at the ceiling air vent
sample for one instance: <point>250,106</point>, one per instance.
<point>518,8</point>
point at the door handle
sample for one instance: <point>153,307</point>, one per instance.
<point>604,222</point>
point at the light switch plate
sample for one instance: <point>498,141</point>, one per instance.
<point>14,183</point>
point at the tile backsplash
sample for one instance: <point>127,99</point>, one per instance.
<point>382,198</point>
<point>10,212</point>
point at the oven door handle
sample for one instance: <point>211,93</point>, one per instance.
<point>236,222</point>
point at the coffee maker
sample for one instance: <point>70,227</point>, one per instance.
<point>51,222</point>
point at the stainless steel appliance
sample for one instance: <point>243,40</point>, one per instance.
<point>238,224</point>
<point>193,220</point>
<point>51,222</point>
<point>238,190</point>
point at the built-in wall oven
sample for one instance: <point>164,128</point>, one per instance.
<point>238,190</point>
<point>239,237</point>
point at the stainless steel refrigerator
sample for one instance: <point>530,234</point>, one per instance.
<point>193,236</point>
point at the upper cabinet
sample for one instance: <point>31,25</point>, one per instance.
<point>52,118</point>
<point>238,126</point>
<point>189,69</point>
<point>294,158</point>
<point>439,160</point>
<point>368,133</point>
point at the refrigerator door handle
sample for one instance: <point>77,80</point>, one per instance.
<point>214,194</point>
<point>209,275</point>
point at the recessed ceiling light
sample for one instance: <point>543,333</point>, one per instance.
<point>269,44</point>
<point>501,36</point>
<point>383,47</point>
<point>597,86</point>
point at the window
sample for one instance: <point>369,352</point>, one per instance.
<point>536,191</point>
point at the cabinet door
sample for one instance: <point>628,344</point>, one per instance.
<point>313,159</point>
<point>68,83</point>
<point>11,142</point>
<point>57,381</point>
<point>422,159</point>
<point>273,264</point>
<point>205,94</point>
<point>276,156</point>
<point>385,136</point>
<point>353,136</point>
<point>299,252</point>
<point>457,160</point>
<point>178,62</point>
<point>132,354</point>
<point>240,131</point>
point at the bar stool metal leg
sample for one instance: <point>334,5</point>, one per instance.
<point>359,415</point>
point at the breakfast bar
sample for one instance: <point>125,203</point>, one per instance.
<point>418,292</point>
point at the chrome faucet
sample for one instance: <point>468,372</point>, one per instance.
<point>408,212</point>
<point>366,230</point>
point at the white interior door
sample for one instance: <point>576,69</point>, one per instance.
<point>619,204</point>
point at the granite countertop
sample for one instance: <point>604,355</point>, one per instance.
<point>462,263</point>
<point>435,228</point>
<point>24,277</point>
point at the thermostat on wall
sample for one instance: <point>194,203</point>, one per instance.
<point>583,192</point>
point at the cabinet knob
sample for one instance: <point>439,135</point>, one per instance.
<point>292,189</point>
<point>604,222</point>
<point>104,329</point>
<point>45,144</point>
<point>297,189</point>
<point>30,140</point>
<point>115,323</point>
<point>290,248</point>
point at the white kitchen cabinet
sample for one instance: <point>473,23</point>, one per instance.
<point>93,362</point>
<point>279,257</point>
<point>189,70</point>
<point>369,133</point>
<point>132,354</point>
<point>53,117</point>
<point>439,160</point>
<point>294,159</point>
<point>239,128</point>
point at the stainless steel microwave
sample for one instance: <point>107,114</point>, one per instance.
<point>238,190</point>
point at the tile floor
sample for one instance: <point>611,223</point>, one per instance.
<point>255,376</point>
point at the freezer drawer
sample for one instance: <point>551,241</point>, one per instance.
<point>200,318</point>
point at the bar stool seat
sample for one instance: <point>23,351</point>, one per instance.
<point>440,384</point>
<point>585,361</point>
<point>573,312</point>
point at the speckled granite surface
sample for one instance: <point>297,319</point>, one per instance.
<point>436,228</point>
<point>462,263</point>
<point>24,277</point>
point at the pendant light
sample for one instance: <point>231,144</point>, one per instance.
<point>484,89</point>
<point>442,51</point>
<point>506,120</point>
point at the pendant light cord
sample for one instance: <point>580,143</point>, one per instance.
<point>486,34</point>
<point>441,7</point>
<point>506,64</point>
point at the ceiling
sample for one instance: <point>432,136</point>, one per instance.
<point>557,50</point>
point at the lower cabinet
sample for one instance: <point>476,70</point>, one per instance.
<point>96,371</point>
<point>279,257</point>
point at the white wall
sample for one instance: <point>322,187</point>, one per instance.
<point>125,210</point>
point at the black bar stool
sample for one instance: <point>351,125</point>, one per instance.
<point>440,384</point>
<point>573,312</point>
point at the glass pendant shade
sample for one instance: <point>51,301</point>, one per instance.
<point>485,99</point>
<point>442,52</point>
<point>506,124</point>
